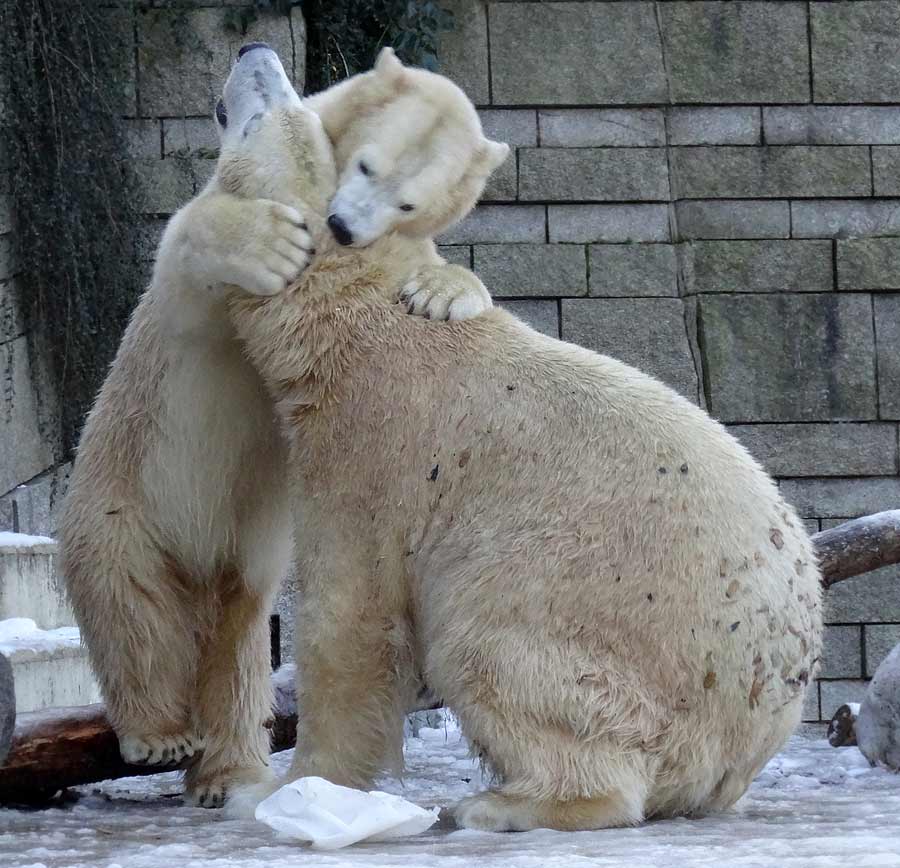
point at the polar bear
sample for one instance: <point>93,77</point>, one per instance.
<point>176,530</point>
<point>598,579</point>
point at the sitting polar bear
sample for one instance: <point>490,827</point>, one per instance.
<point>595,576</point>
<point>176,530</point>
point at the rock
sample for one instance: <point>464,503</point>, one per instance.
<point>878,723</point>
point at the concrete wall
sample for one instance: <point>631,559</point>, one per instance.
<point>705,190</point>
<point>708,190</point>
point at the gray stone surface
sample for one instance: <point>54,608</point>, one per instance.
<point>724,219</point>
<point>532,269</point>
<point>611,224</point>
<point>7,257</point>
<point>834,218</point>
<point>868,263</point>
<point>593,174</point>
<point>7,707</point>
<point>866,598</point>
<point>6,214</point>
<point>518,129</point>
<point>832,125</point>
<point>886,170</point>
<point>596,128</point>
<point>189,137</point>
<point>756,266</point>
<point>842,653</point>
<point>542,316</point>
<point>170,183</point>
<point>770,172</point>
<point>844,498</point>
<point>463,51</point>
<point>36,504</point>
<point>881,639</point>
<point>144,137</point>
<point>887,336</point>
<point>834,694</point>
<point>633,269</point>
<point>738,125</point>
<point>188,81</point>
<point>854,51</point>
<point>458,254</point>
<point>736,51</point>
<point>495,224</point>
<point>12,322</point>
<point>850,449</point>
<point>811,703</point>
<point>612,53</point>
<point>25,404</point>
<point>788,358</point>
<point>648,333</point>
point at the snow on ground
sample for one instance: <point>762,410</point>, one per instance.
<point>23,634</point>
<point>813,806</point>
<point>8,539</point>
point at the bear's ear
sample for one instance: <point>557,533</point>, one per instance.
<point>387,65</point>
<point>492,154</point>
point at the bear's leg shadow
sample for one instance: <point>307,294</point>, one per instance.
<point>137,610</point>
<point>234,693</point>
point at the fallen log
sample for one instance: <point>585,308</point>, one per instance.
<point>66,747</point>
<point>858,546</point>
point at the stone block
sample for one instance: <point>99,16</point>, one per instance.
<point>612,54</point>
<point>811,703</point>
<point>886,170</point>
<point>34,506</point>
<point>495,224</point>
<point>800,171</point>
<point>842,653</point>
<point>121,21</point>
<point>862,599</point>
<point>738,125</point>
<point>868,263</point>
<point>532,269</point>
<point>887,339</point>
<point>6,214</point>
<point>788,357</point>
<point>597,128</point>
<point>29,588</point>
<point>836,218</point>
<point>853,49</point>
<point>756,266</point>
<point>834,694</point>
<point>832,125</point>
<point>848,449</point>
<point>53,677</point>
<point>12,319</point>
<point>844,498</point>
<point>463,51</point>
<point>148,235</point>
<point>542,316</point>
<point>26,448</point>
<point>8,263</point>
<point>169,184</point>
<point>610,224</point>
<point>144,138</point>
<point>518,129</point>
<point>593,174</point>
<point>880,641</point>
<point>811,525</point>
<point>457,254</point>
<point>633,270</point>
<point>648,333</point>
<point>184,56</point>
<point>189,137</point>
<point>724,219</point>
<point>736,51</point>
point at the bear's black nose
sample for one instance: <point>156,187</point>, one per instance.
<point>339,230</point>
<point>249,47</point>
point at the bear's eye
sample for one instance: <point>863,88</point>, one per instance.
<point>221,114</point>
<point>364,168</point>
<point>407,207</point>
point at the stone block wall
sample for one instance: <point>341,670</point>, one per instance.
<point>708,190</point>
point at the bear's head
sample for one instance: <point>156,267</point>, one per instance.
<point>272,145</point>
<point>410,151</point>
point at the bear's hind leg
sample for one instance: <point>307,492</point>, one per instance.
<point>498,811</point>
<point>234,693</point>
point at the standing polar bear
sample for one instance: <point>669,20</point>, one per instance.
<point>176,529</point>
<point>595,576</point>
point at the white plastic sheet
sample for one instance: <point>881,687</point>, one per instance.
<point>329,816</point>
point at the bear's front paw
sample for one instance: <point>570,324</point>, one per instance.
<point>153,750</point>
<point>277,250</point>
<point>445,292</point>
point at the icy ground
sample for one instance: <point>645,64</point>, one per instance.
<point>812,807</point>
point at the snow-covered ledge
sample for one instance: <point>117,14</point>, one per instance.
<point>28,584</point>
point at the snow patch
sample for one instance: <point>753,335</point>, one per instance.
<point>23,634</point>
<point>11,540</point>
